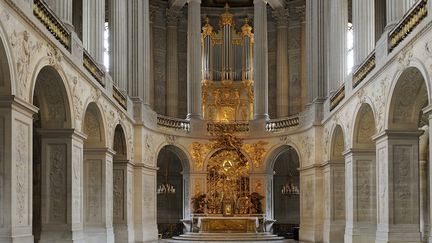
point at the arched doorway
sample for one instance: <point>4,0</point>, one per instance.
<point>361,178</point>
<point>334,189</point>
<point>122,188</point>
<point>52,146</point>
<point>97,181</point>
<point>171,188</point>
<point>285,164</point>
<point>398,160</point>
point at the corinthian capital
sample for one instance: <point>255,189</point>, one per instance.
<point>173,16</point>
<point>281,16</point>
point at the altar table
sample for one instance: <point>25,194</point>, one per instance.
<point>228,224</point>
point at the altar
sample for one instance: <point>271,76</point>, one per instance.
<point>228,224</point>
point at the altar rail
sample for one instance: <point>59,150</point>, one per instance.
<point>407,24</point>
<point>227,127</point>
<point>282,123</point>
<point>43,12</point>
<point>173,123</point>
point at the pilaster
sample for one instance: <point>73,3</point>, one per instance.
<point>282,99</point>
<point>338,44</point>
<point>172,62</point>
<point>398,186</point>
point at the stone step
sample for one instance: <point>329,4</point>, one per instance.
<point>224,237</point>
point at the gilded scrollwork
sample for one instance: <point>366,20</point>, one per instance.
<point>257,152</point>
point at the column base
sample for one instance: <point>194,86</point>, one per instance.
<point>360,234</point>
<point>123,233</point>
<point>334,232</point>
<point>18,239</point>
<point>400,233</point>
<point>149,233</point>
<point>310,233</point>
<point>98,235</point>
<point>63,235</point>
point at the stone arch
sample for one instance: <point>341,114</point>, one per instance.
<point>409,95</point>
<point>173,167</point>
<point>120,144</point>
<point>364,127</point>
<point>98,176</point>
<point>275,151</point>
<point>6,70</point>
<point>337,144</point>
<point>94,127</point>
<point>52,147</point>
<point>51,97</point>
<point>277,159</point>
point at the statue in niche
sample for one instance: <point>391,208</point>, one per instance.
<point>256,205</point>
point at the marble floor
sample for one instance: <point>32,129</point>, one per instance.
<point>177,241</point>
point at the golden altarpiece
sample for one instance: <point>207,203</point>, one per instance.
<point>230,203</point>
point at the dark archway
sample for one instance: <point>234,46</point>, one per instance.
<point>286,206</point>
<point>173,169</point>
<point>50,149</point>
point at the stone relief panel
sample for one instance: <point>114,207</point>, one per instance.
<point>2,161</point>
<point>382,186</point>
<point>349,188</point>
<point>22,149</point>
<point>366,127</point>
<point>149,200</point>
<point>92,126</point>
<point>25,47</point>
<point>365,191</point>
<point>307,198</point>
<point>109,190</point>
<point>327,195</point>
<point>380,94</point>
<point>403,212</point>
<point>339,193</point>
<point>93,202</point>
<point>118,195</point>
<point>76,183</point>
<point>57,183</point>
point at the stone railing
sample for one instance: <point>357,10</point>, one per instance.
<point>228,127</point>
<point>173,123</point>
<point>364,69</point>
<point>52,22</point>
<point>411,19</point>
<point>275,125</point>
<point>119,97</point>
<point>93,68</point>
<point>337,97</point>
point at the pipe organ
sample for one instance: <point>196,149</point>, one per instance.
<point>227,85</point>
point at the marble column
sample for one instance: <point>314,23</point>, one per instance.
<point>396,10</point>
<point>98,194</point>
<point>61,185</point>
<point>315,47</point>
<point>301,12</point>
<point>338,43</point>
<point>260,64</point>
<point>334,194</point>
<point>172,62</point>
<point>93,28</point>
<point>363,12</point>
<point>16,166</point>
<point>63,9</point>
<point>137,43</point>
<point>282,75</point>
<point>194,60</point>
<point>398,186</point>
<point>360,174</point>
<point>117,25</point>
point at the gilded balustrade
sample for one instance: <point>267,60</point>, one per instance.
<point>227,127</point>
<point>42,11</point>
<point>119,97</point>
<point>364,69</point>
<point>413,18</point>
<point>93,68</point>
<point>337,97</point>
